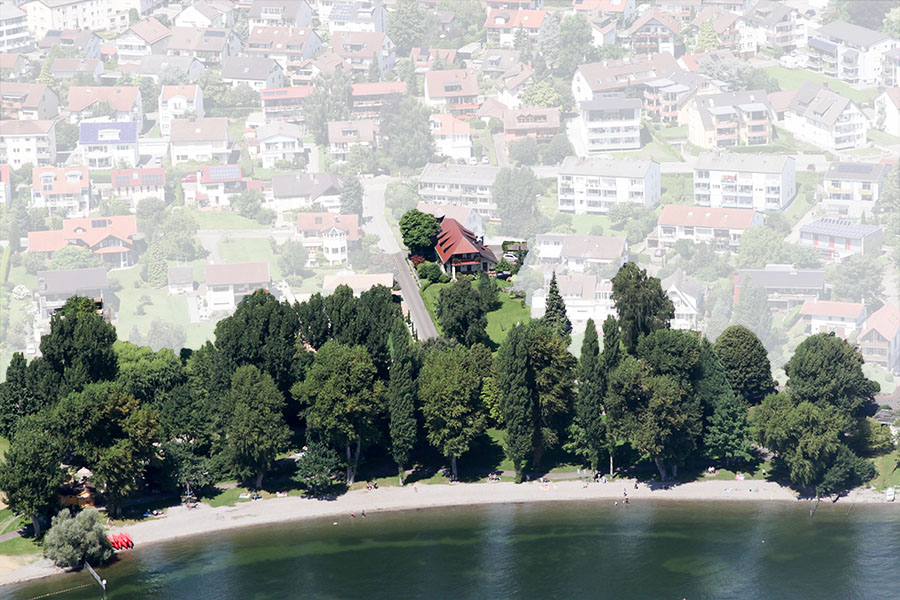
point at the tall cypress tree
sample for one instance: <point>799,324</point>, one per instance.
<point>609,360</point>
<point>589,404</point>
<point>516,401</point>
<point>555,313</point>
<point>401,399</point>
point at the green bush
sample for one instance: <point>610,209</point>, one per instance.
<point>432,273</point>
<point>73,540</point>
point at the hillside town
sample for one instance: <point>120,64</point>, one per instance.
<point>167,160</point>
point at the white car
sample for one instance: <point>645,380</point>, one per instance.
<point>485,160</point>
<point>510,257</point>
<point>30,349</point>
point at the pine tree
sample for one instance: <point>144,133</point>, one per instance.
<point>351,196</point>
<point>589,404</point>
<point>706,37</point>
<point>612,344</point>
<point>516,400</point>
<point>157,270</point>
<point>401,399</point>
<point>555,313</point>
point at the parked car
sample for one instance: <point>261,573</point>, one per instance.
<point>510,258</point>
<point>485,160</point>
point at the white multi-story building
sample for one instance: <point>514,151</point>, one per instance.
<point>199,140</point>
<point>279,141</point>
<point>577,253</point>
<point>836,239</point>
<point>177,101</point>
<point>62,191</point>
<point>105,145</point>
<point>452,136</point>
<point>826,119</point>
<point>331,234</point>
<point>721,227</point>
<point>849,52</point>
<point>586,297</point>
<point>610,124</point>
<point>28,142</point>
<point>14,35</point>
<point>592,186</point>
<point>758,181</point>
<point>44,15</point>
<point>852,189</point>
<point>142,39</point>
<point>844,319</point>
<point>442,183</point>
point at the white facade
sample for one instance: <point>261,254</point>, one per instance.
<point>13,29</point>
<point>199,151</point>
<point>887,112</point>
<point>62,191</point>
<point>610,124</point>
<point>44,15</point>
<point>852,189</point>
<point>22,144</point>
<point>282,145</point>
<point>452,137</point>
<point>847,132</point>
<point>176,101</point>
<point>760,182</point>
<point>110,155</point>
<point>593,186</point>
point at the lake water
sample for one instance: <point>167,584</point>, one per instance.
<point>567,550</point>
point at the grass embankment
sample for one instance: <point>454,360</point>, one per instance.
<point>887,469</point>
<point>17,546</point>
<point>792,79</point>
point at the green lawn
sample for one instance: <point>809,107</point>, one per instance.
<point>887,473</point>
<point>803,202</point>
<point>668,133</point>
<point>211,219</point>
<point>236,250</point>
<point>651,151</point>
<point>885,379</point>
<point>792,79</point>
<point>19,546</point>
<point>499,321</point>
<point>677,188</point>
<point>880,137</point>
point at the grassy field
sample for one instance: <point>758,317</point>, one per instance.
<point>211,219</point>
<point>879,137</point>
<point>792,79</point>
<point>250,250</point>
<point>803,202</point>
<point>499,321</point>
<point>651,151</point>
<point>677,188</point>
<point>887,471</point>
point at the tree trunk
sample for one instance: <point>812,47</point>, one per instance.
<point>36,523</point>
<point>538,455</point>
<point>352,463</point>
<point>349,465</point>
<point>674,471</point>
<point>259,478</point>
<point>401,474</point>
<point>662,468</point>
<point>453,467</point>
<point>610,462</point>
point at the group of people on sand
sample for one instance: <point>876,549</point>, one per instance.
<point>493,476</point>
<point>371,485</point>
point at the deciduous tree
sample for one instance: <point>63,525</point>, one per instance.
<point>641,303</point>
<point>419,230</point>
<point>74,540</point>
<point>745,362</point>
<point>461,314</point>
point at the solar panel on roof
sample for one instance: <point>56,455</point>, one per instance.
<point>153,179</point>
<point>122,180</point>
<point>341,11</point>
<point>225,172</point>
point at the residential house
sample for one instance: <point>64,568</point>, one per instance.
<point>333,235</point>
<point>125,102</point>
<point>731,180</point>
<point>228,284</point>
<point>108,144</point>
<point>693,62</point>
<point>292,13</point>
<point>288,46</point>
<point>54,288</point>
<point>206,14</point>
<point>464,185</point>
<point>85,70</point>
<point>720,227</point>
<point>891,68</point>
<point>465,215</point>
<point>826,119</point>
<point>494,62</point>
<point>199,139</point>
<point>27,101</point>
<point>14,35</point>
<point>452,136</point>
<point>279,141</point>
<point>786,286</point>
<point>14,67</point>
<point>459,251</point>
<point>258,73</point>
<point>452,90</point>
<point>423,59</point>
<point>284,103</point>
<point>446,23</point>
<point>879,342</point>
<point>849,52</point>
<point>604,30</point>
<point>213,186</point>
<point>109,238</point>
<point>653,32</point>
<point>503,26</point>
<point>144,37</point>
<point>686,295</point>
<point>665,98</point>
<point>621,9</point>
<point>180,280</point>
<point>594,185</point>
<point>62,191</point>
<point>307,71</point>
<point>178,102</point>
<point>366,17</point>
<point>28,142</point>
<point>611,123</point>
<point>836,239</point>
<point>732,31</point>
<point>887,111</point>
<point>534,122</point>
<point>363,48</point>
<point>302,191</point>
<point>513,82</point>
<point>94,15</point>
<point>513,4</point>
<point>586,296</point>
<point>133,185</point>
<point>592,81</point>
<point>578,253</point>
<point>371,99</point>
<point>777,25</point>
<point>851,189</point>
<point>189,69</point>
<point>844,319</point>
<point>209,46</point>
<point>344,135</point>
<point>731,119</point>
<point>83,43</point>
<point>357,282</point>
<point>5,185</point>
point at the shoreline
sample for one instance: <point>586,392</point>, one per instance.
<point>179,522</point>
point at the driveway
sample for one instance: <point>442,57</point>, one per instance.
<point>373,213</point>
<point>425,327</point>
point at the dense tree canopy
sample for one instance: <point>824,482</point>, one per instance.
<point>745,362</point>
<point>460,313</point>
<point>641,304</point>
<point>419,230</point>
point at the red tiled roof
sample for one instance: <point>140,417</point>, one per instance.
<point>885,320</point>
<point>437,81</point>
<point>89,230</point>
<point>297,91</point>
<point>455,239</point>
<point>447,124</point>
<point>171,91</point>
<point>379,87</point>
<point>702,216</point>
<point>323,221</point>
<point>237,273</point>
<point>515,19</point>
<point>60,184</point>
<point>120,98</point>
<point>828,308</point>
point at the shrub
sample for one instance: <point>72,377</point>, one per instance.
<point>416,260</point>
<point>73,540</point>
<point>432,272</point>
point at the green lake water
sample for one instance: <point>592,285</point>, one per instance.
<point>566,550</point>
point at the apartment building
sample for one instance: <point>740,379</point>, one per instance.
<point>593,81</point>
<point>14,36</point>
<point>652,32</point>
<point>757,181</point>
<point>729,119</point>
<point>733,32</point>
<point>836,239</point>
<point>133,185</point>
<point>826,119</point>
<point>46,15</point>
<point>105,145</point>
<point>611,123</point>
<point>24,142</point>
<point>27,101</point>
<point>344,135</point>
<point>849,52</point>
<point>851,189</point>
<point>777,25</point>
<point>452,136</point>
<point>177,102</point>
<point>594,185</point>
<point>465,185</point>
<point>720,227</point>
<point>62,191</point>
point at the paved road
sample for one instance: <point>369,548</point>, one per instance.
<point>499,141</point>
<point>420,317</point>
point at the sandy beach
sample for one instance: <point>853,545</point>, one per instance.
<point>180,521</point>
